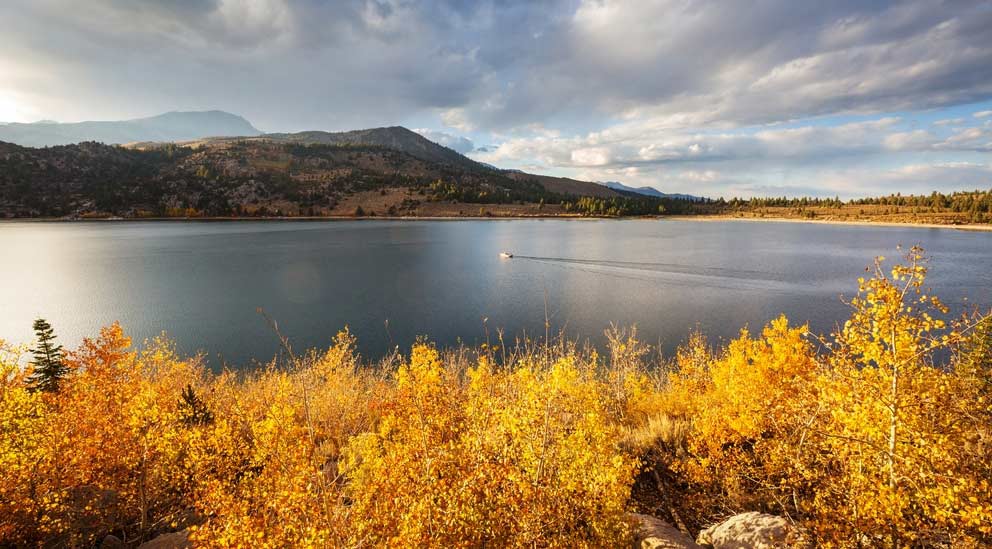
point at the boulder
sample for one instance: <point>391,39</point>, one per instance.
<point>653,533</point>
<point>172,540</point>
<point>751,531</point>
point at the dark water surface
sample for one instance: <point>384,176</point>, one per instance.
<point>202,282</point>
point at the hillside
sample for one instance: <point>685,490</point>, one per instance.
<point>172,126</point>
<point>265,177</point>
<point>564,185</point>
<point>395,137</point>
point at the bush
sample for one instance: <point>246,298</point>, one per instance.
<point>507,458</point>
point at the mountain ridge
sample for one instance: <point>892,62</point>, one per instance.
<point>171,126</point>
<point>647,191</point>
<point>391,137</point>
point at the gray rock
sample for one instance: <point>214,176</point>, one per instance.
<point>653,533</point>
<point>751,531</point>
<point>172,540</point>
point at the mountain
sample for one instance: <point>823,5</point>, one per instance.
<point>647,191</point>
<point>171,126</point>
<point>246,177</point>
<point>395,137</point>
<point>262,176</point>
<point>564,185</point>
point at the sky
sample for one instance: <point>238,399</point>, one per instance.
<point>714,98</point>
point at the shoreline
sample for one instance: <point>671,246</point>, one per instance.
<point>319,218</point>
<point>973,227</point>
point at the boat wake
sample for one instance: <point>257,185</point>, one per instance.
<point>672,273</point>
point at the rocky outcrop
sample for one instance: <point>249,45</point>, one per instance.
<point>172,540</point>
<point>653,533</point>
<point>751,531</point>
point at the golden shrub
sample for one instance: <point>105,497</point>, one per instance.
<point>516,456</point>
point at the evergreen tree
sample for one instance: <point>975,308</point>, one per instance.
<point>192,409</point>
<point>49,361</point>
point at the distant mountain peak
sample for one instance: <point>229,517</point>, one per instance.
<point>170,126</point>
<point>646,191</point>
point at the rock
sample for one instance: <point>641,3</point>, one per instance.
<point>112,542</point>
<point>172,540</point>
<point>653,533</point>
<point>751,531</point>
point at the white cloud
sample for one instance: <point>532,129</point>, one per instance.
<point>456,118</point>
<point>982,114</point>
<point>949,122</point>
<point>454,142</point>
<point>593,156</point>
<point>634,144</point>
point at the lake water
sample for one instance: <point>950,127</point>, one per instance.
<point>202,282</point>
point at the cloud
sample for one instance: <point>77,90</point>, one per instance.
<point>592,156</point>
<point>285,65</point>
<point>846,182</point>
<point>749,64</point>
<point>770,95</point>
<point>496,64</point>
<point>456,118</point>
<point>633,145</point>
<point>746,161</point>
<point>454,142</point>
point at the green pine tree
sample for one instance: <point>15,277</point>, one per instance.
<point>49,360</point>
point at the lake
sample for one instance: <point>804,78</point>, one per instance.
<point>201,282</point>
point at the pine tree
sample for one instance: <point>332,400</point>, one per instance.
<point>192,409</point>
<point>49,361</point>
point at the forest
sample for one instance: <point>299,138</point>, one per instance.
<point>877,435</point>
<point>957,208</point>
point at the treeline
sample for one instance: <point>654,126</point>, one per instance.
<point>780,202</point>
<point>877,435</point>
<point>960,201</point>
<point>633,205</point>
<point>966,201</point>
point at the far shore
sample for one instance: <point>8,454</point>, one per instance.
<point>860,222</point>
<point>961,227</point>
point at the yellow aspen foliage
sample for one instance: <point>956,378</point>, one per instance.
<point>896,427</point>
<point>516,456</point>
<point>746,408</point>
<point>277,438</point>
<point>99,450</point>
<point>23,438</point>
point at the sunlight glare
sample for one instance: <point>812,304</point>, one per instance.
<point>10,110</point>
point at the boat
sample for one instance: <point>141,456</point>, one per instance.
<point>505,255</point>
